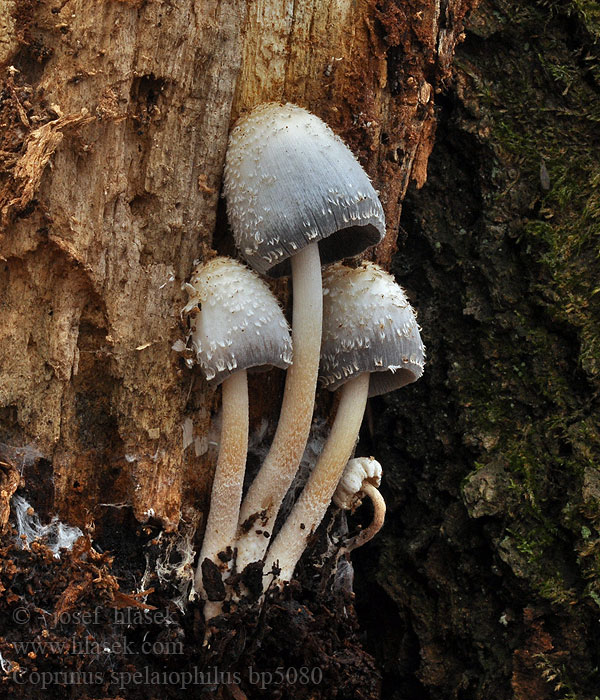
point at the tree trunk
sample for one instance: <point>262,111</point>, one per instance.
<point>488,577</point>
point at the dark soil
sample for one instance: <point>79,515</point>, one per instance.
<point>70,631</point>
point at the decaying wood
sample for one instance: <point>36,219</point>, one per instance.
<point>9,482</point>
<point>29,168</point>
<point>106,207</point>
<point>8,36</point>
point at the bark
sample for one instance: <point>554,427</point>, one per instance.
<point>487,569</point>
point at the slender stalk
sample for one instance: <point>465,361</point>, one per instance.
<point>264,498</point>
<point>229,477</point>
<point>378,517</point>
<point>315,498</point>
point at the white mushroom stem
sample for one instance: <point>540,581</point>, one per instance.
<point>228,480</point>
<point>266,493</point>
<point>315,498</point>
<point>376,524</point>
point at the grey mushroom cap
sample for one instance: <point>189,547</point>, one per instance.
<point>290,181</point>
<point>236,322</point>
<point>368,326</point>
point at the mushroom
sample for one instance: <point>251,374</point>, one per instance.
<point>361,477</point>
<point>236,323</point>
<point>296,195</point>
<point>371,345</point>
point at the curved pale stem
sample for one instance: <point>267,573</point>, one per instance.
<point>229,479</point>
<point>378,517</point>
<point>264,498</point>
<point>316,496</point>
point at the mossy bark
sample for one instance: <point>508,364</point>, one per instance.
<point>488,569</point>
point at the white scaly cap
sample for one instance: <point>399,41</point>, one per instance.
<point>236,322</point>
<point>358,471</point>
<point>368,326</point>
<point>290,181</point>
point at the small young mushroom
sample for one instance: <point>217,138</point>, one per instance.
<point>371,345</point>
<point>236,323</point>
<point>296,195</point>
<point>361,477</point>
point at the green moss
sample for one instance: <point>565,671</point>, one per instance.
<point>508,287</point>
<point>557,676</point>
<point>589,13</point>
<point>543,346</point>
<point>564,233</point>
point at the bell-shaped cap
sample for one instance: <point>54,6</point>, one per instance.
<point>358,471</point>
<point>290,181</point>
<point>236,322</point>
<point>368,326</point>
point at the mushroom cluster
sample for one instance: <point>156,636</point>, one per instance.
<point>297,198</point>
